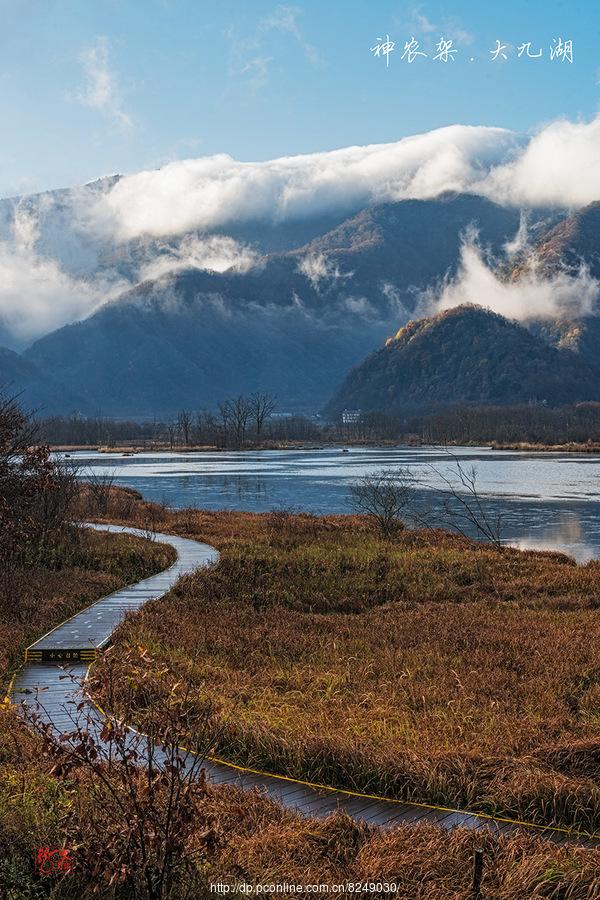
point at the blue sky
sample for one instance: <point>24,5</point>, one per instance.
<point>90,88</point>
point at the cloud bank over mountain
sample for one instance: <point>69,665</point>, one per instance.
<point>557,166</point>
<point>216,191</point>
<point>64,253</point>
<point>36,293</point>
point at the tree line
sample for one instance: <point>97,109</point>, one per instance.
<point>530,423</point>
<point>237,422</point>
<point>536,424</point>
<point>250,420</point>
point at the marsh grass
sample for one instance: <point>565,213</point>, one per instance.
<point>255,841</point>
<point>432,668</point>
<point>320,657</point>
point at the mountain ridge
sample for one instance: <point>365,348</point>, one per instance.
<point>293,322</point>
<point>292,325</point>
<point>467,355</point>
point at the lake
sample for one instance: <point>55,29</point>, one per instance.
<point>545,501</point>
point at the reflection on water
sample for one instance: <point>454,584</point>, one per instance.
<point>549,501</point>
<point>567,533</point>
<point>245,488</point>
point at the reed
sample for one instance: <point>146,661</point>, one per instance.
<point>429,667</point>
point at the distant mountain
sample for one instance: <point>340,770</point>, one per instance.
<point>465,355</point>
<point>316,297</point>
<point>404,248</point>
<point>292,324</point>
<point>166,347</point>
<point>575,239</point>
<point>580,335</point>
<point>59,222</point>
<point>36,391</point>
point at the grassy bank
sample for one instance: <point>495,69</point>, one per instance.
<point>571,447</point>
<point>431,668</point>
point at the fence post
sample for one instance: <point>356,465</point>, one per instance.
<point>477,873</point>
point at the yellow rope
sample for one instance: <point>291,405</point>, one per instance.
<point>217,760</point>
<point>333,790</point>
<point>7,701</point>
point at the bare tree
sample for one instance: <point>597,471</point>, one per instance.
<point>261,406</point>
<point>384,496</point>
<point>171,432</point>
<point>463,508</point>
<point>208,428</point>
<point>99,490</point>
<point>184,423</point>
<point>225,417</point>
<point>139,817</point>
<point>36,492</point>
<point>239,416</point>
<point>17,431</point>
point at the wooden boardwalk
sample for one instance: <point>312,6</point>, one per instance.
<point>56,666</point>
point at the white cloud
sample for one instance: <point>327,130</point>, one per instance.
<point>285,19</point>
<point>417,23</point>
<point>60,256</point>
<point>217,191</point>
<point>532,295</point>
<point>317,267</point>
<point>251,55</point>
<point>258,70</point>
<point>101,90</point>
<point>216,253</point>
<point>394,297</point>
<point>520,243</point>
<point>36,294</point>
<point>424,26</point>
<point>558,166</point>
<point>359,306</point>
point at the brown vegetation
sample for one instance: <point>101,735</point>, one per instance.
<point>427,666</point>
<point>35,598</point>
<point>432,667</point>
<point>524,446</point>
<point>167,836</point>
<point>49,566</point>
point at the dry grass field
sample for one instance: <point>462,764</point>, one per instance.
<point>430,667</point>
<point>254,841</point>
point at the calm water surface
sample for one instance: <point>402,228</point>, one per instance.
<point>544,500</point>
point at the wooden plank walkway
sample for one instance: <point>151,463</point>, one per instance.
<point>81,636</point>
<point>56,666</point>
